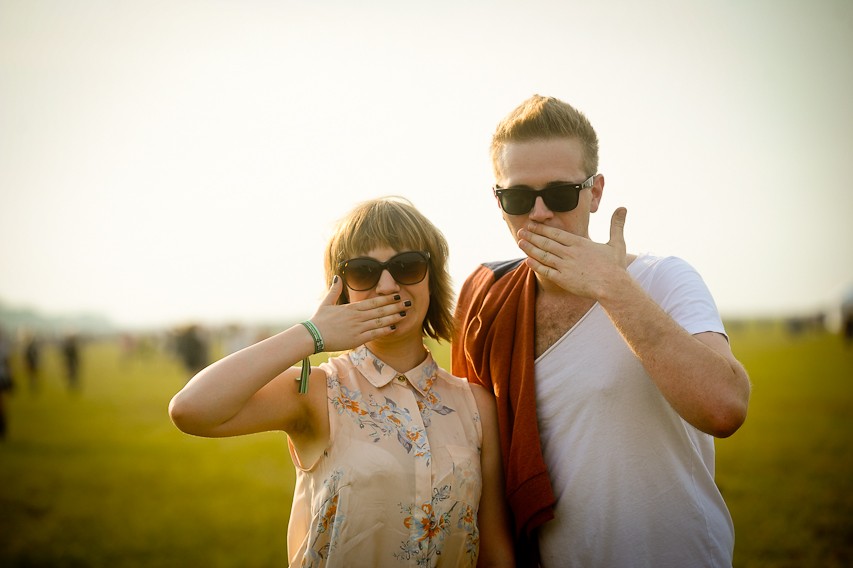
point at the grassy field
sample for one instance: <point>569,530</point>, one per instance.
<point>787,474</point>
<point>100,477</point>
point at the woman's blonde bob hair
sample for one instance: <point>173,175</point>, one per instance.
<point>395,223</point>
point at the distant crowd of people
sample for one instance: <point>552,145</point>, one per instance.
<point>194,348</point>
<point>31,355</point>
<point>23,354</point>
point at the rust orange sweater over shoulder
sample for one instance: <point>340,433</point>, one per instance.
<point>494,347</point>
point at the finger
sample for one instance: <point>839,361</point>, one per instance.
<point>532,251</point>
<point>617,228</point>
<point>377,302</point>
<point>334,292</point>
<point>539,268</point>
<point>540,234</point>
<point>385,321</point>
<point>380,332</point>
<point>389,314</point>
<point>536,245</point>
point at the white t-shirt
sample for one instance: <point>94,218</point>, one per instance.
<point>634,482</point>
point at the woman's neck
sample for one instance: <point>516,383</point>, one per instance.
<point>403,354</point>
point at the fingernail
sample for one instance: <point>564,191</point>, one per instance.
<point>402,313</point>
<point>407,303</point>
<point>335,279</point>
<point>396,296</point>
<point>393,327</point>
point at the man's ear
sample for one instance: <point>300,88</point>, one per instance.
<point>597,191</point>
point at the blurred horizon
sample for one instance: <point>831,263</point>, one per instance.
<point>28,319</point>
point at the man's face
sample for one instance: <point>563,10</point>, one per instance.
<point>538,163</point>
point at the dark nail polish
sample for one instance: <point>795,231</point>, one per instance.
<point>393,327</point>
<point>396,296</point>
<point>402,313</point>
<point>408,303</point>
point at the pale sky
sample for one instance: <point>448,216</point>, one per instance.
<point>168,161</point>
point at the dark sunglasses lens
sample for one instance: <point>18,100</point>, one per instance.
<point>408,268</point>
<point>517,202</point>
<point>364,273</point>
<point>361,273</point>
<point>558,199</point>
<point>561,199</point>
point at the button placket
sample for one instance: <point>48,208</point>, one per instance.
<point>422,465</point>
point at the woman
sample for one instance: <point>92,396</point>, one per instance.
<point>397,462</point>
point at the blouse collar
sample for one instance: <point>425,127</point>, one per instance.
<point>379,374</point>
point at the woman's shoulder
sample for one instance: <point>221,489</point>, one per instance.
<point>452,380</point>
<point>481,395</point>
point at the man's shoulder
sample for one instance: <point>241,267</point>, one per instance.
<point>501,268</point>
<point>647,265</point>
<point>485,276</point>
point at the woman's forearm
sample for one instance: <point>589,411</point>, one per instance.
<point>220,391</point>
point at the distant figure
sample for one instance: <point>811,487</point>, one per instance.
<point>848,328</point>
<point>7,384</point>
<point>847,318</point>
<point>71,356</point>
<point>32,361</point>
<point>193,350</point>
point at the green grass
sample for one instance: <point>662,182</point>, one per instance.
<point>787,474</point>
<point>102,478</point>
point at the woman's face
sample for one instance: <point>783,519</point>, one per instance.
<point>417,293</point>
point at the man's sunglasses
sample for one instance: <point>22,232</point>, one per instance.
<point>559,198</point>
<point>363,273</point>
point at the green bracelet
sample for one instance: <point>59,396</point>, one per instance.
<point>319,346</point>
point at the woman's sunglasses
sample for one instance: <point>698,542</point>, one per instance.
<point>363,273</point>
<point>559,198</point>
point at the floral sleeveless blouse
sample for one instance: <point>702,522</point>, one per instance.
<point>400,483</point>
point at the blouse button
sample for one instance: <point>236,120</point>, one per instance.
<point>401,378</point>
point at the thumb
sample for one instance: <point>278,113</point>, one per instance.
<point>617,228</point>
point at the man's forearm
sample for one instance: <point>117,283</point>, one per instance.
<point>698,375</point>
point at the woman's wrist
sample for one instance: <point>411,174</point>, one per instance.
<point>319,344</point>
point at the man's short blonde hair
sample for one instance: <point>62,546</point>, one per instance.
<point>541,118</point>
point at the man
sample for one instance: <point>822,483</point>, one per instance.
<point>612,372</point>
